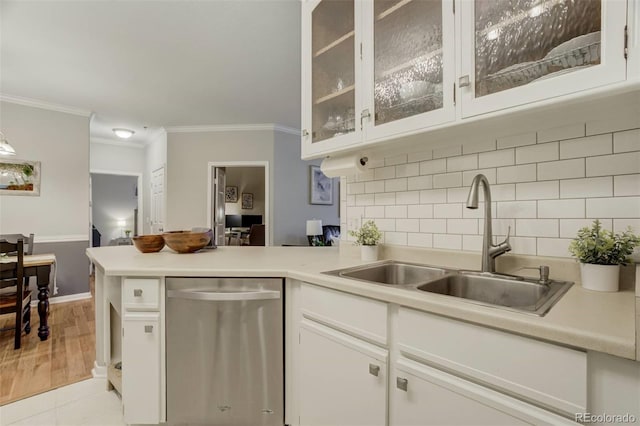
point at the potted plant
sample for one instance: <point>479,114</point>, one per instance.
<point>601,252</point>
<point>368,237</point>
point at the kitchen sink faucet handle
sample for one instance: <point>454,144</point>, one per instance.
<point>544,273</point>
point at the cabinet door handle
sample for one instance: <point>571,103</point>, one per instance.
<point>305,133</point>
<point>148,329</point>
<point>374,370</point>
<point>464,81</point>
<point>401,383</point>
<point>364,114</point>
<point>137,292</point>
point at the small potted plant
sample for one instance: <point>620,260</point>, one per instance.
<point>368,237</point>
<point>601,252</point>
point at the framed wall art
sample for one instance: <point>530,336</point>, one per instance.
<point>321,187</point>
<point>19,177</point>
<point>247,201</point>
<point>231,194</point>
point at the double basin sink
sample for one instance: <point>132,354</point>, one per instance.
<point>509,292</point>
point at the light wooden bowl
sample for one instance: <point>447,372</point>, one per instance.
<point>148,243</point>
<point>186,241</point>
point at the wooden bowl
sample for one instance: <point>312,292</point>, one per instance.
<point>186,241</point>
<point>148,243</point>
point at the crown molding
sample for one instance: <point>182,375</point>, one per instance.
<point>44,105</point>
<point>233,128</point>
<point>122,144</point>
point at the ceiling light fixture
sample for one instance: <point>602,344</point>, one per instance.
<point>123,133</point>
<point>5,146</point>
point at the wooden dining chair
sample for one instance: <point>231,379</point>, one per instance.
<point>256,236</point>
<point>17,302</point>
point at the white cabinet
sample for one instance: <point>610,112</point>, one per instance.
<point>342,381</point>
<point>521,52</point>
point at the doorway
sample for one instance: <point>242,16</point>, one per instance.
<point>239,198</point>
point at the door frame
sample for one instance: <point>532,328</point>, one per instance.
<point>267,194</point>
<point>140,229</point>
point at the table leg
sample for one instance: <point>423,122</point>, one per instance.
<point>43,304</point>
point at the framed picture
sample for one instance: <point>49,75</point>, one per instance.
<point>231,194</point>
<point>247,200</point>
<point>321,187</point>
<point>19,177</point>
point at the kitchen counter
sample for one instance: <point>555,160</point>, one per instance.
<point>603,322</point>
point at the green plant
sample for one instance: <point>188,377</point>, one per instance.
<point>27,172</point>
<point>367,235</point>
<point>602,247</point>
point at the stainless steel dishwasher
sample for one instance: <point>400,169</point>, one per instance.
<point>225,362</point>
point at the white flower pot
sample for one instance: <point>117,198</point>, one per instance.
<point>600,277</point>
<point>369,253</point>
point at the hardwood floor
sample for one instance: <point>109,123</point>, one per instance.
<point>66,357</point>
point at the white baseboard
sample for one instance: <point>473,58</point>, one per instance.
<point>99,371</point>
<point>60,299</point>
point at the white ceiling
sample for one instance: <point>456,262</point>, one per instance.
<point>156,63</point>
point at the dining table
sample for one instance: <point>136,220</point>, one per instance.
<point>41,267</point>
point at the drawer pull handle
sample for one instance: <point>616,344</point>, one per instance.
<point>401,383</point>
<point>374,370</point>
<point>137,292</point>
<point>148,329</point>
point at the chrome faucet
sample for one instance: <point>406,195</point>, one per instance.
<point>489,251</point>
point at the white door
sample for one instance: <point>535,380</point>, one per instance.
<point>157,201</point>
<point>513,53</point>
<point>343,380</point>
<point>218,223</point>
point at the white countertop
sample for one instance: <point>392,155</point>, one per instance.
<point>603,322</point>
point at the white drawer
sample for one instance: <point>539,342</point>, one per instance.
<point>355,315</point>
<point>549,374</point>
<point>141,294</point>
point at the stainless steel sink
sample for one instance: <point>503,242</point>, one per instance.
<point>392,273</point>
<point>522,295</point>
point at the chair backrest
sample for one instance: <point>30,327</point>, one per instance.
<point>256,235</point>
<point>12,273</point>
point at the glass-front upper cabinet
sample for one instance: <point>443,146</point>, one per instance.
<point>330,75</point>
<point>520,51</point>
<point>409,65</point>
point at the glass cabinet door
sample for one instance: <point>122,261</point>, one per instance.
<point>333,71</point>
<point>407,58</point>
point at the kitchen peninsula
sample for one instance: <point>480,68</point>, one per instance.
<point>536,369</point>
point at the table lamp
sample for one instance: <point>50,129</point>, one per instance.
<point>314,230</point>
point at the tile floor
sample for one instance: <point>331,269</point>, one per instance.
<point>83,403</point>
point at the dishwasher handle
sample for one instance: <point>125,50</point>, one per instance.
<point>221,296</point>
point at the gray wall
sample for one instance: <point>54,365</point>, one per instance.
<point>246,179</point>
<point>109,157</point>
<point>113,199</point>
<point>59,216</point>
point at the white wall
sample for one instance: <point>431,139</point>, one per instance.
<point>109,157</point>
<point>155,157</point>
<point>61,142</point>
<point>247,180</point>
<point>114,199</point>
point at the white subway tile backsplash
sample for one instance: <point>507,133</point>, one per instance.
<point>447,180</point>
<point>433,226</point>
<point>569,227</point>
<point>420,156</point>
<point>447,210</point>
<point>503,157</point>
<point>406,170</point>
<point>626,185</point>
<point>586,147</point>
<point>351,200</point>
<point>559,133</point>
<point>561,209</point>
<point>618,207</point>
<point>433,166</point>
<point>457,195</point>
<point>446,241</point>
<point>465,162</point>
<point>398,159</point>
<point>479,212</point>
<point>410,197</point>
<point>537,190</point>
<point>447,151</point>
<point>625,119</point>
<point>517,140</point>
<point>505,192</point>
<point>433,196</point>
<point>585,188</point>
<point>626,141</point>
<point>621,225</point>
<point>355,188</point>
<point>467,177</point>
<point>523,245</point>
<point>563,169</point>
<point>472,242</point>
<point>364,199</point>
<point>355,212</point>
<point>408,225</point>
<point>474,147</point>
<point>462,226</point>
<point>616,164</point>
<point>384,173</point>
<point>374,186</point>
<point>395,211</point>
<point>420,211</point>
<point>385,199</point>
<point>516,209</point>
<point>386,225</point>
<point>420,182</point>
<point>374,212</point>
<point>537,153</point>
<point>500,226</point>
<point>556,247</point>
<point>420,240</point>
<point>395,238</point>
<point>513,174</point>
<point>366,176</point>
<point>395,185</point>
<point>537,228</point>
